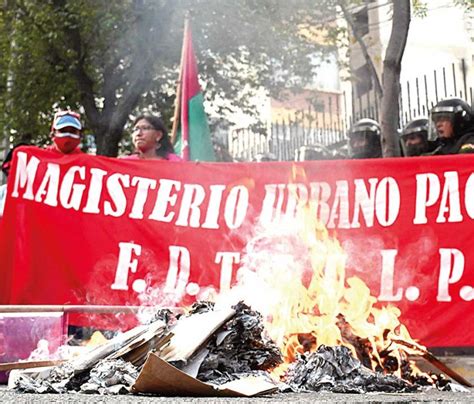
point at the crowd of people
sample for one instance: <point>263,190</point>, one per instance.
<point>451,120</point>
<point>452,123</point>
<point>149,137</point>
<point>448,130</point>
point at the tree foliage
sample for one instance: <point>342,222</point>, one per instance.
<point>114,58</point>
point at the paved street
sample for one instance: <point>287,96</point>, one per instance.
<point>428,397</point>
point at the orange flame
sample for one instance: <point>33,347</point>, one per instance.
<point>335,310</point>
<point>96,339</point>
<point>306,300</point>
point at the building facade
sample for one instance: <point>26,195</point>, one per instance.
<point>438,61</point>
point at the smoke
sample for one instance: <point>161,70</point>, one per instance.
<point>365,258</point>
<point>154,297</point>
<point>274,258</point>
<point>413,259</point>
<point>41,352</point>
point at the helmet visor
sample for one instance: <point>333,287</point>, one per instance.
<point>414,143</point>
<point>441,119</point>
<point>358,143</point>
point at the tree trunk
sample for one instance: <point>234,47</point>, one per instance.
<point>107,141</point>
<point>363,48</point>
<point>391,78</point>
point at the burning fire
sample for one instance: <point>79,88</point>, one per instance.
<point>96,339</point>
<point>294,274</point>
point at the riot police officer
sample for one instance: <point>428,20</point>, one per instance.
<point>453,119</point>
<point>414,138</point>
<point>364,139</point>
<point>312,152</point>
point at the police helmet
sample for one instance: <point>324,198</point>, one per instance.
<point>414,137</point>
<point>419,126</point>
<point>364,139</point>
<point>457,111</point>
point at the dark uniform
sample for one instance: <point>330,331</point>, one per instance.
<point>465,144</point>
<point>461,117</point>
<point>364,140</point>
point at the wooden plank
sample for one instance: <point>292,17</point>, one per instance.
<point>68,308</point>
<point>463,365</point>
<point>433,360</point>
<point>4,367</point>
<point>46,308</point>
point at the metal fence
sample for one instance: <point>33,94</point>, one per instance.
<point>421,94</point>
<point>329,128</point>
<point>283,139</point>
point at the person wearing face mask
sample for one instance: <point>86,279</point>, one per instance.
<point>364,140</point>
<point>414,138</point>
<point>66,132</point>
<point>151,140</point>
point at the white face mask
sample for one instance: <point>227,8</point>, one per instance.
<point>67,134</point>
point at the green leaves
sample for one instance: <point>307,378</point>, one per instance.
<point>112,59</point>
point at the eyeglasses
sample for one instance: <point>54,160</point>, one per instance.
<point>143,128</point>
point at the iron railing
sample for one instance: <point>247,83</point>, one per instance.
<point>328,126</point>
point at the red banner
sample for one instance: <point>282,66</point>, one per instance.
<point>84,229</point>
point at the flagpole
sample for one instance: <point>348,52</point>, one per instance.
<point>177,107</point>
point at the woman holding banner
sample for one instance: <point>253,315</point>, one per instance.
<point>151,140</point>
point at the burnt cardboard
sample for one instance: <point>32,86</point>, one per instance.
<point>160,378</point>
<point>191,333</point>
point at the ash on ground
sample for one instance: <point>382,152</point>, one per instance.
<point>239,348</point>
<point>111,377</point>
<point>107,377</point>
<point>59,380</point>
<point>334,369</point>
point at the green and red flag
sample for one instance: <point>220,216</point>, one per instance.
<point>192,137</point>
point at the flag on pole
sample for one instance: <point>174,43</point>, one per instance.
<point>191,135</point>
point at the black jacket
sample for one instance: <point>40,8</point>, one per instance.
<point>461,145</point>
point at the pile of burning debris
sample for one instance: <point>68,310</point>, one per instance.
<point>205,353</point>
<point>317,331</point>
<point>215,352</point>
